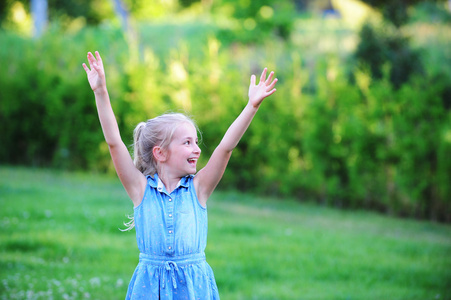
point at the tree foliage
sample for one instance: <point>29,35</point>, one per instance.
<point>366,144</point>
<point>387,44</point>
<point>380,140</point>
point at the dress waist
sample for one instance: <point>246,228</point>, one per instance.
<point>170,265</point>
<point>179,260</point>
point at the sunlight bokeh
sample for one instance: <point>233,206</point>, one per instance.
<point>20,20</point>
<point>355,12</point>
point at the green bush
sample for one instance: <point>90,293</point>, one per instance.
<point>255,21</point>
<point>48,114</point>
<point>379,46</point>
<point>360,144</point>
<point>380,147</point>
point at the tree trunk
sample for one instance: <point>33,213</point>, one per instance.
<point>123,14</point>
<point>39,14</point>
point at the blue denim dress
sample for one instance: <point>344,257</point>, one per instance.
<point>171,231</point>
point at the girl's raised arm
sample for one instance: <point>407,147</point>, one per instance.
<point>208,178</point>
<point>132,179</point>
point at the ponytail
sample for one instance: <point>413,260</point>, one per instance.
<point>137,148</point>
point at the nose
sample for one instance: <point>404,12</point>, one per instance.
<point>197,149</point>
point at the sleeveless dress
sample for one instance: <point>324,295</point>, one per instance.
<point>171,232</point>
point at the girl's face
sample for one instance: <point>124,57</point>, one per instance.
<point>183,151</point>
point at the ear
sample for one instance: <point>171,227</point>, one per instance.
<point>159,154</point>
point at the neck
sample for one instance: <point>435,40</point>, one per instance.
<point>170,182</point>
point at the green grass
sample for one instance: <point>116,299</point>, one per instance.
<point>59,239</point>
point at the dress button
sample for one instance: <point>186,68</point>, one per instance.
<point>169,247</point>
<point>170,231</point>
<point>170,215</point>
<point>170,199</point>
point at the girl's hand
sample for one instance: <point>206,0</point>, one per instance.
<point>95,72</point>
<point>263,89</point>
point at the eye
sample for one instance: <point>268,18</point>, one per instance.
<point>187,142</point>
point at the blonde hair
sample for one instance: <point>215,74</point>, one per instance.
<point>155,132</point>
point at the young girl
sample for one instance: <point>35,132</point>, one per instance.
<point>170,202</point>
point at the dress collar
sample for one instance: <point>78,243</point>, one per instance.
<point>156,182</point>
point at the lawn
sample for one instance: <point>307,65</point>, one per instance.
<point>60,239</point>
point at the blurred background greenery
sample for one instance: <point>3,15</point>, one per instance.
<point>361,121</point>
<point>361,118</point>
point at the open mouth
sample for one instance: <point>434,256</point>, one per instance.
<point>192,161</point>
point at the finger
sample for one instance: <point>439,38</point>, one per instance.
<point>273,84</point>
<point>85,67</point>
<point>90,56</point>
<point>263,77</point>
<point>270,92</point>
<point>90,59</point>
<point>94,61</point>
<point>253,79</point>
<point>271,75</point>
<point>95,66</point>
<point>99,59</point>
